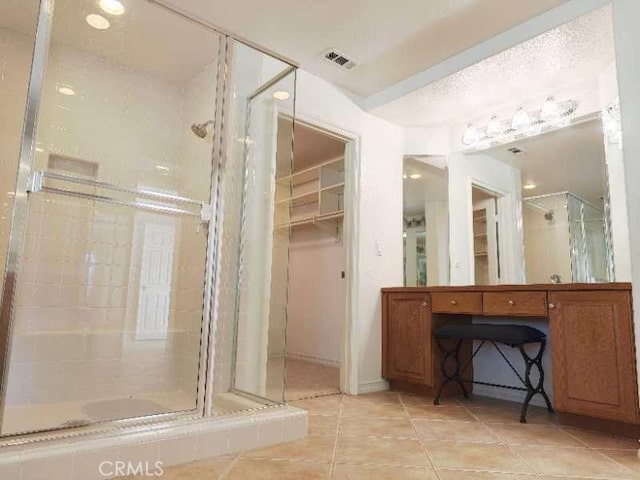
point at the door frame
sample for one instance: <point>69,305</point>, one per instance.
<point>350,347</point>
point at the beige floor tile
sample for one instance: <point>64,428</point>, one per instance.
<point>440,412</point>
<point>527,434</point>
<point>382,472</point>
<point>628,458</point>
<point>369,409</point>
<point>308,379</point>
<point>392,451</point>
<point>329,405</point>
<point>375,397</point>
<point>323,424</point>
<point>431,430</point>
<point>377,427</point>
<point>506,414</point>
<point>478,475</point>
<point>414,399</point>
<point>475,456</point>
<point>601,440</point>
<point>571,462</point>
<point>313,448</point>
<point>263,469</point>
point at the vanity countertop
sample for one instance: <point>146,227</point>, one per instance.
<point>551,287</point>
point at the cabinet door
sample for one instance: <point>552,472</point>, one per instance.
<point>593,355</point>
<point>406,338</point>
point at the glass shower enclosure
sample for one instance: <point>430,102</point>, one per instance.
<point>566,240</point>
<point>142,276</point>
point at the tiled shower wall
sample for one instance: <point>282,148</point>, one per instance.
<point>77,293</point>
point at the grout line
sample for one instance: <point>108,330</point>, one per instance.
<point>335,443</point>
<point>418,437</point>
<point>503,442</point>
<point>229,467</point>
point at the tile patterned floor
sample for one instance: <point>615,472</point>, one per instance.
<point>395,436</point>
<point>308,380</point>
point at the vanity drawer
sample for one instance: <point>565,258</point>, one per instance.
<point>515,303</point>
<point>457,302</point>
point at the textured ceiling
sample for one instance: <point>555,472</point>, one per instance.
<point>555,60</point>
<point>390,40</point>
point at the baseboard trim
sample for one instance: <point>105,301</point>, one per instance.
<point>312,359</point>
<point>374,386</point>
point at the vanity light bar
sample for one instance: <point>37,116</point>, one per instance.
<point>524,124</point>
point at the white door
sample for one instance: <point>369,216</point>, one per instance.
<point>155,279</point>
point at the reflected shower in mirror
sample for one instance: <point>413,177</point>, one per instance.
<point>426,221</point>
<point>564,192</point>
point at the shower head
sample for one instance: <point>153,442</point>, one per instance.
<point>549,215</point>
<point>200,129</point>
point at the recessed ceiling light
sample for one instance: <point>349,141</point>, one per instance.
<point>162,168</point>
<point>281,95</point>
<point>529,186</point>
<point>415,176</point>
<point>112,7</point>
<point>97,21</point>
<point>66,90</point>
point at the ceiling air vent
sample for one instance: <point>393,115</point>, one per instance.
<point>339,59</point>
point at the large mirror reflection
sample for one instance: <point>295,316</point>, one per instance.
<point>532,164</point>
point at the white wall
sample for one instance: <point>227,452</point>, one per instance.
<point>317,296</point>
<point>487,172</point>
<point>379,211</point>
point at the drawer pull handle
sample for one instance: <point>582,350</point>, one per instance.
<point>453,302</point>
<point>552,306</point>
<point>425,304</point>
<point>511,302</point>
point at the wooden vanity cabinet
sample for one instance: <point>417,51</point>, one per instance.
<point>406,338</point>
<point>593,355</point>
<point>591,339</point>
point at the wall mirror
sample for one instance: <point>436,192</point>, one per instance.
<point>532,160</point>
<point>425,222</point>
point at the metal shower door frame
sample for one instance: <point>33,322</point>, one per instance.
<point>28,177</point>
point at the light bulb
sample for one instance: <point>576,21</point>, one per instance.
<point>97,21</point>
<point>521,120</point>
<point>471,135</point>
<point>281,95</point>
<point>550,110</point>
<point>494,129</point>
<point>112,7</point>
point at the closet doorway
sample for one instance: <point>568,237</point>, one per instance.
<point>317,300</point>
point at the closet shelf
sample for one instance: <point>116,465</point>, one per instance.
<point>337,188</point>
<point>317,220</point>
<point>301,199</point>
<point>310,174</point>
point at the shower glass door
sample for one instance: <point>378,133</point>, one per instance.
<point>107,281</point>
